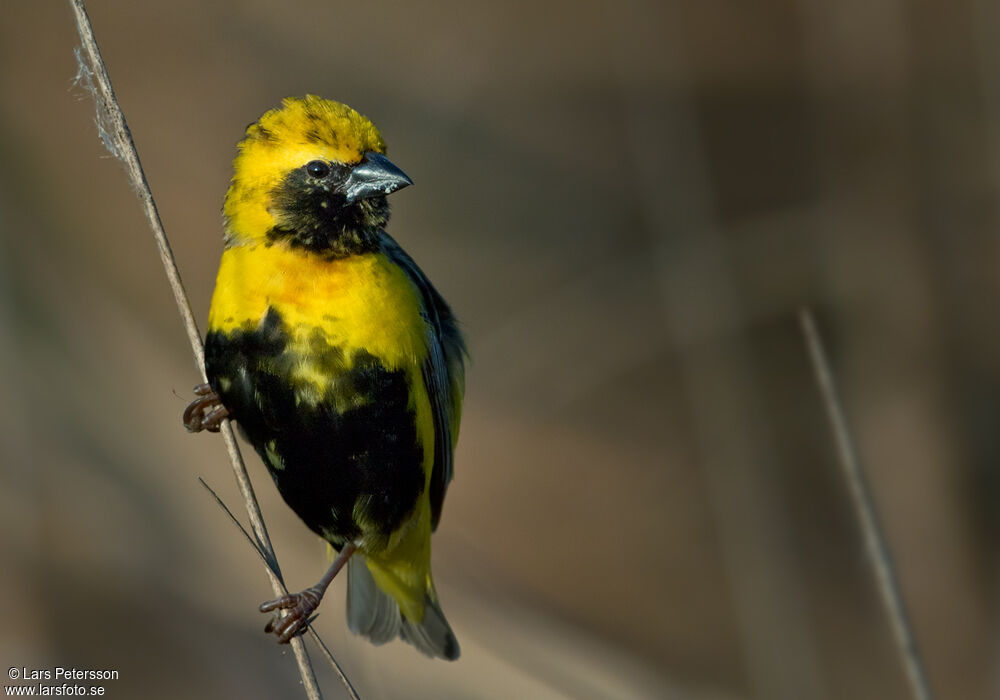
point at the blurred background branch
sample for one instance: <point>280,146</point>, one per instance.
<point>879,556</point>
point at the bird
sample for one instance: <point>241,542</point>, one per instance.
<point>340,363</point>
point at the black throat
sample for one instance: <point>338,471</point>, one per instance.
<point>315,216</point>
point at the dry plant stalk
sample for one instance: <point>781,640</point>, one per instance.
<point>864,507</point>
<point>93,76</point>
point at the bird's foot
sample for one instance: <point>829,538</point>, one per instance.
<point>300,607</point>
<point>206,412</point>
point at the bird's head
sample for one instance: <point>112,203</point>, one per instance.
<point>311,174</point>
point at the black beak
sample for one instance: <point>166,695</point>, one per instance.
<point>374,175</point>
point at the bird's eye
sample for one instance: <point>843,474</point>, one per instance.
<point>317,169</point>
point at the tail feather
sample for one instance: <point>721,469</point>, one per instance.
<point>433,636</point>
<point>372,613</point>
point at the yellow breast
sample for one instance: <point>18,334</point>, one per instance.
<point>363,302</point>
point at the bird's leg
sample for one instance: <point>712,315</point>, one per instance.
<point>206,412</point>
<point>301,606</point>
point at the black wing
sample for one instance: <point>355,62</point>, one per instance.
<point>443,370</point>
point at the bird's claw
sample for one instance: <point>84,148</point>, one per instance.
<point>300,607</point>
<point>206,412</point>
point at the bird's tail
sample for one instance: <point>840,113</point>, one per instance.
<point>373,613</point>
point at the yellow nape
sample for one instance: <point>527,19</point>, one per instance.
<point>286,138</point>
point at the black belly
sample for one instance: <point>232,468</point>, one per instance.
<point>348,465</point>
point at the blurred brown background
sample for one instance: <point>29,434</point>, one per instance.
<point>626,203</point>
